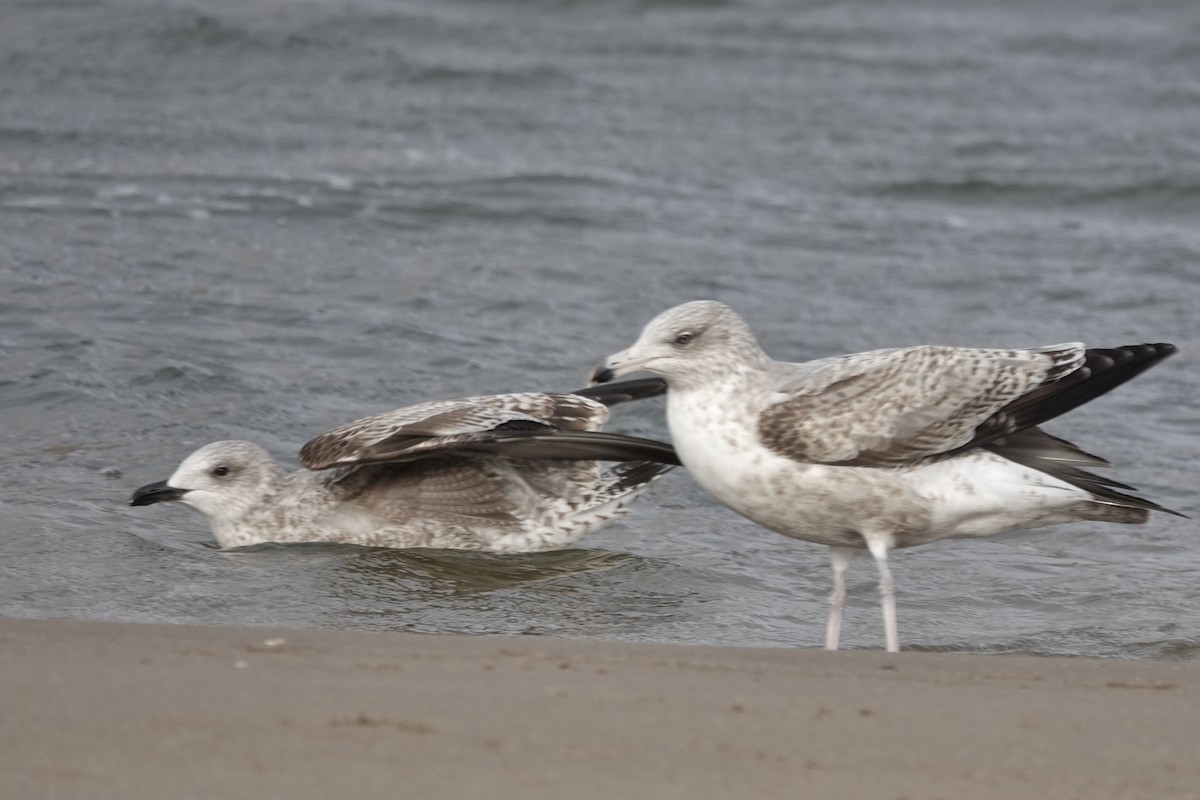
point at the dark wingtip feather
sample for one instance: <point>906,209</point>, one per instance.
<point>576,446</point>
<point>1103,370</point>
<point>632,474</point>
<point>610,394</point>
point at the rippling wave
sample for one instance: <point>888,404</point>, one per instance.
<point>1153,195</point>
<point>260,220</point>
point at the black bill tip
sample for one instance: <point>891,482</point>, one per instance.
<point>601,374</point>
<point>156,493</point>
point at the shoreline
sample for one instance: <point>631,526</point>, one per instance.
<point>130,710</point>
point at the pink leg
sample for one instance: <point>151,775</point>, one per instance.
<point>839,558</point>
<point>879,548</point>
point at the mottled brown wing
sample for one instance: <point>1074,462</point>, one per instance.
<point>897,407</point>
<point>440,489</point>
<point>417,431</point>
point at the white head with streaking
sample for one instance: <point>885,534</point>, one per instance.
<point>224,481</point>
<point>686,345</point>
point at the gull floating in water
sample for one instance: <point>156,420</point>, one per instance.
<point>509,473</point>
<point>885,449</point>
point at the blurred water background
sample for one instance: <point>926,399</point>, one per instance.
<point>262,218</point>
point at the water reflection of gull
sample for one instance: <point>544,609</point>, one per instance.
<point>459,571</point>
<point>573,592</point>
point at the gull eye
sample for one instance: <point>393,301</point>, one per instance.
<point>685,337</point>
<point>221,471</point>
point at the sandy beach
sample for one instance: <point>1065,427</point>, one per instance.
<point>114,710</point>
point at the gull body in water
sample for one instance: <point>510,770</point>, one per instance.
<point>884,449</point>
<point>508,473</point>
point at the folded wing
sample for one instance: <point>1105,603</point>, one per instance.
<point>895,408</point>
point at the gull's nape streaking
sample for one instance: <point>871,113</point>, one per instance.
<point>884,449</point>
<point>503,473</point>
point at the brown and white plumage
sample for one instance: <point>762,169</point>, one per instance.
<point>524,424</point>
<point>505,473</point>
<point>884,449</point>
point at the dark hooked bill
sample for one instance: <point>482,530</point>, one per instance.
<point>156,493</point>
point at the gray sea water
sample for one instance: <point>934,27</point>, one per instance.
<point>261,219</point>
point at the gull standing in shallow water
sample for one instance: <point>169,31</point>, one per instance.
<point>509,473</point>
<point>884,449</point>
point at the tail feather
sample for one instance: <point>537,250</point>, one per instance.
<point>1059,458</point>
<point>619,485</point>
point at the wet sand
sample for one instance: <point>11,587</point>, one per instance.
<point>113,710</point>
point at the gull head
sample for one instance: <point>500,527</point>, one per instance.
<point>685,343</point>
<point>222,481</point>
